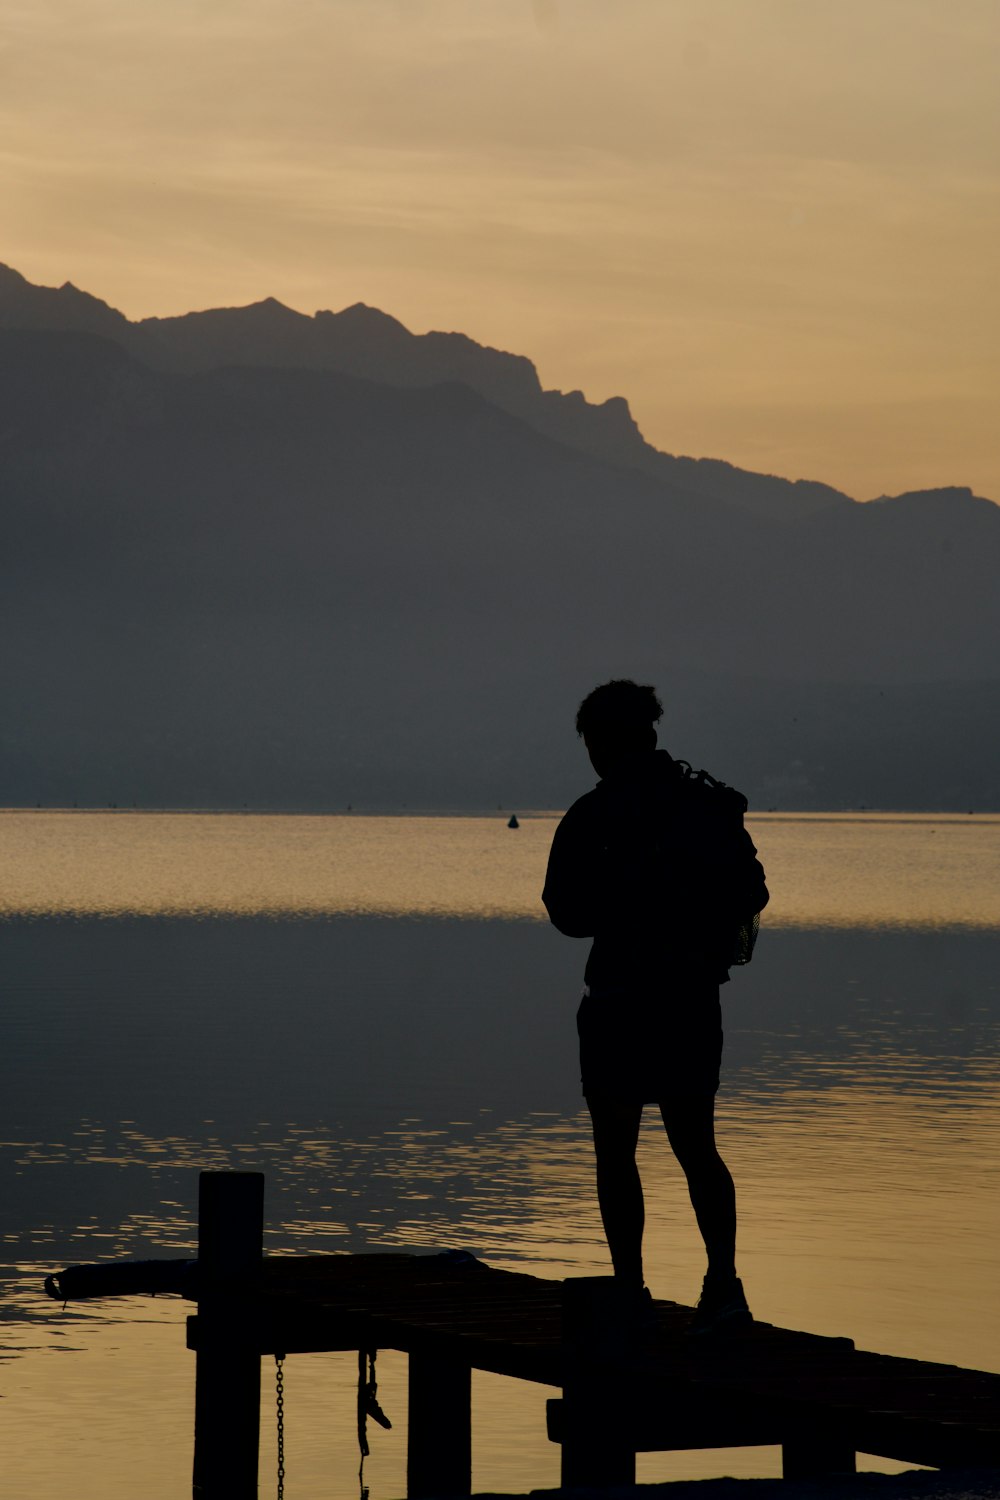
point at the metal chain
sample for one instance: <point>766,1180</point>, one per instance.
<point>279,1382</point>
<point>367,1407</point>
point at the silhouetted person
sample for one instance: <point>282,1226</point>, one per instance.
<point>650,866</point>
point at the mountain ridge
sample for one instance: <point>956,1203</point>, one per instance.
<point>365,341</point>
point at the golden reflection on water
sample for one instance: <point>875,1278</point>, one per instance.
<point>839,870</point>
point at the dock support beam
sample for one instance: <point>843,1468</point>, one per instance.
<point>439,1434</point>
<point>598,1448</point>
<point>817,1455</point>
<point>227,1371</point>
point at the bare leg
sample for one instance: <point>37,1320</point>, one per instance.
<point>690,1130</point>
<point>619,1191</point>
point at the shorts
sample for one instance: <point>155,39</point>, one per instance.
<point>645,1051</point>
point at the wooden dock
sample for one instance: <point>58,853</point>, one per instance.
<point>624,1388</point>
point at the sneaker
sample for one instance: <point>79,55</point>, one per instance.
<point>722,1308</point>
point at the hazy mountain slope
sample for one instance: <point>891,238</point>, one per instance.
<point>293,587</point>
<point>363,341</point>
<point>371,484</point>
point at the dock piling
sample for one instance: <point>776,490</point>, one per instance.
<point>597,1333</point>
<point>227,1369</point>
<point>439,1432</point>
<point>816,1455</point>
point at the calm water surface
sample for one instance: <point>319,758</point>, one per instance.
<point>374,1012</point>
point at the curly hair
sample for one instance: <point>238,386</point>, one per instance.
<point>619,707</point>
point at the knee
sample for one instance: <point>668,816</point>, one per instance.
<point>614,1157</point>
<point>698,1158</point>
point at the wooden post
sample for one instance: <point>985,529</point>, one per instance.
<point>598,1445</point>
<point>227,1369</point>
<point>816,1454</point>
<point>439,1434</point>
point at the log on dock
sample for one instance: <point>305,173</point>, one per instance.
<point>124,1278</point>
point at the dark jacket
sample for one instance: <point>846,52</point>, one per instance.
<point>659,872</point>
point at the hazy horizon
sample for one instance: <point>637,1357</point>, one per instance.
<point>771,229</point>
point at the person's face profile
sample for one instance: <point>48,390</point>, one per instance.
<point>605,750</point>
<point>601,752</point>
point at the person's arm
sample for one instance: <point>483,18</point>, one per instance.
<point>570,891</point>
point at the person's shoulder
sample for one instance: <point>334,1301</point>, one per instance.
<point>585,806</point>
<point>585,815</point>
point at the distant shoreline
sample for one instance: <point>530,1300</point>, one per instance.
<point>769,815</point>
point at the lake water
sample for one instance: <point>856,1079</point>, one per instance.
<point>374,1012</point>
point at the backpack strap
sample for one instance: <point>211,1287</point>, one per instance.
<point>703,778</point>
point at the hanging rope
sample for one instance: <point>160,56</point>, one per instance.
<point>367,1407</point>
<point>279,1384</point>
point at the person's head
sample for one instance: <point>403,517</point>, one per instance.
<point>618,719</point>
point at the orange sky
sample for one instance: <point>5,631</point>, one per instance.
<point>771,224</point>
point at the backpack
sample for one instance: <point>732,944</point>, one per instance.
<point>723,807</point>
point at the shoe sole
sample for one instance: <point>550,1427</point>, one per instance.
<point>736,1321</point>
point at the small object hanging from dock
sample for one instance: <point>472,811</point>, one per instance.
<point>512,821</point>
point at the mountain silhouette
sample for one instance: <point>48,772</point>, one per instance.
<point>363,341</point>
<point>236,578</point>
